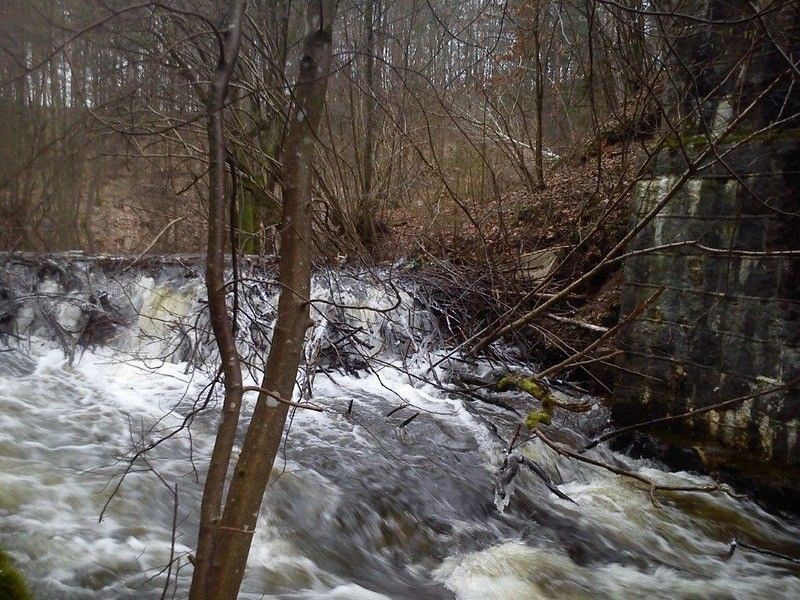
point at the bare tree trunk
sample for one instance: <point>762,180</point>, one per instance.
<point>538,144</point>
<point>211,503</point>
<point>367,200</point>
<point>92,195</point>
<point>233,536</point>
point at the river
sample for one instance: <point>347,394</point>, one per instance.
<point>100,358</point>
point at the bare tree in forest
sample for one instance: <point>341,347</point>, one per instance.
<point>226,531</point>
<point>367,221</point>
<point>538,14</point>
<point>221,322</point>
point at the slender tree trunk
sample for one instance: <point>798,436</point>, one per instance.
<point>368,156</point>
<point>538,145</point>
<point>92,194</point>
<point>221,324</point>
<point>234,534</point>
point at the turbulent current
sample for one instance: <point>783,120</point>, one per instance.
<point>102,361</point>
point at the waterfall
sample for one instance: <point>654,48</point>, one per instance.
<point>101,358</point>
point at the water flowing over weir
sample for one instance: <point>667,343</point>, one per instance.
<point>101,357</point>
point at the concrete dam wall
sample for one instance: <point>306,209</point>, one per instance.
<point>727,323</point>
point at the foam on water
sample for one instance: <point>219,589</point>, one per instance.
<point>359,508</point>
<point>514,570</point>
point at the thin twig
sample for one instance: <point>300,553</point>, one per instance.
<point>691,413</point>
<point>281,399</point>
<point>153,243</point>
<point>653,486</point>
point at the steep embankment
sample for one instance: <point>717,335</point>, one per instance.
<point>488,256</point>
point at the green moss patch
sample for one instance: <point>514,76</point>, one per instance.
<point>12,584</point>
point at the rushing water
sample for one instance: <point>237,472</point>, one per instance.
<point>107,360</point>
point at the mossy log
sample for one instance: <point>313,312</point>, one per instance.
<point>530,385</point>
<point>538,417</point>
<point>539,390</point>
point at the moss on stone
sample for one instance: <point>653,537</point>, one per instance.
<point>12,584</point>
<point>538,390</point>
<point>538,417</point>
<point>528,385</point>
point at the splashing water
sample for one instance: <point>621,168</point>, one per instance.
<point>358,508</point>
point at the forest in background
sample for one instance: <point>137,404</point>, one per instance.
<point>467,137</point>
<point>479,127</point>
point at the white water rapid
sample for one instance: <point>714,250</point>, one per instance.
<point>98,359</point>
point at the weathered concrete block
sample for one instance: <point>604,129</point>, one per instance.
<point>750,233</point>
<point>789,284</point>
<point>758,277</point>
<point>728,325</point>
<point>783,233</point>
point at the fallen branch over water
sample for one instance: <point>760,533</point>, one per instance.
<point>735,543</point>
<point>408,420</point>
<point>691,413</point>
<point>652,485</point>
<point>508,472</point>
<point>281,399</point>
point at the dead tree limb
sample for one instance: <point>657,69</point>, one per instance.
<point>508,472</point>
<point>653,487</point>
<point>577,323</point>
<point>549,372</point>
<point>278,398</point>
<point>688,414</point>
<point>152,243</point>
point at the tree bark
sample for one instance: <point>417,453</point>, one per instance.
<point>95,172</point>
<point>368,205</point>
<point>537,49</point>
<point>233,536</point>
<point>221,324</point>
